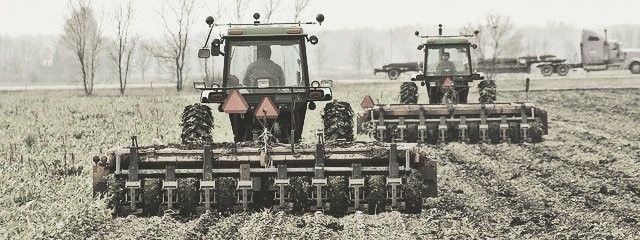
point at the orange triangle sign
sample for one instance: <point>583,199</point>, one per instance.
<point>267,109</point>
<point>235,103</point>
<point>367,102</point>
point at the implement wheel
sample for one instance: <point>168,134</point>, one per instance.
<point>188,196</point>
<point>473,132</point>
<point>226,197</point>
<point>536,132</point>
<point>197,122</point>
<point>337,117</point>
<point>414,190</point>
<point>408,93</point>
<point>338,196</point>
<point>299,192</point>
<point>515,133</point>
<point>377,197</point>
<point>115,189</point>
<point>152,197</point>
<point>494,133</point>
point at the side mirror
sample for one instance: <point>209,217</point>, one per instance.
<point>474,46</point>
<point>215,47</point>
<point>204,53</point>
<point>420,47</point>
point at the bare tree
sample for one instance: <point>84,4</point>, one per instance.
<point>270,7</point>
<point>371,54</point>
<point>240,8</point>
<point>298,7</point>
<point>122,17</point>
<point>320,55</point>
<point>143,59</point>
<point>177,22</point>
<point>498,36</point>
<point>356,53</point>
<point>82,34</point>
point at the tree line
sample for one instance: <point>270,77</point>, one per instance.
<point>109,50</point>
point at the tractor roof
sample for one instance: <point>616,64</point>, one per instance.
<point>447,40</point>
<point>265,31</point>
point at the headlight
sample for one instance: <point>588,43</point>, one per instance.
<point>315,84</point>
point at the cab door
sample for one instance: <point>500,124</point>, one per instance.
<point>594,51</point>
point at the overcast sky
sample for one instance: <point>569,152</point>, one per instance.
<point>48,16</point>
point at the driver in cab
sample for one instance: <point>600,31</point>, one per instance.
<point>446,67</point>
<point>264,68</point>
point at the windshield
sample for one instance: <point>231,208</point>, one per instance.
<point>447,61</point>
<point>265,63</point>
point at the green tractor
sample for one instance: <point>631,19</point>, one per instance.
<point>266,92</point>
<point>447,72</point>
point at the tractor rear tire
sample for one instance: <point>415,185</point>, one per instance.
<point>338,196</point>
<point>563,69</point>
<point>197,122</point>
<point>408,93</point>
<point>546,70</point>
<point>393,74</point>
<point>152,197</point>
<point>337,117</point>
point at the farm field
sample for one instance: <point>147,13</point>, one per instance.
<point>582,182</point>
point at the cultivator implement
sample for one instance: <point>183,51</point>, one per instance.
<point>438,123</point>
<point>236,177</point>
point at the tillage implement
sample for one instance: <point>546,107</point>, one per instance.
<point>266,92</point>
<point>449,117</point>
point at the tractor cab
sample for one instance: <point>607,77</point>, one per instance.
<point>448,67</point>
<point>265,81</point>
